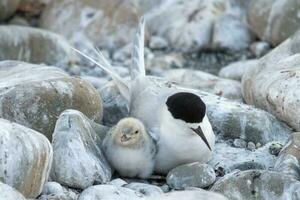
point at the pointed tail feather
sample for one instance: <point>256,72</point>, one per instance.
<point>106,66</point>
<point>138,64</point>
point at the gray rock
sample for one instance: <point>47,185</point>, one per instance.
<point>26,158</point>
<point>35,95</point>
<point>101,192</point>
<point>240,143</point>
<point>251,146</point>
<point>117,182</point>
<point>273,84</point>
<point>275,148</point>
<point>207,82</point>
<point>289,165</point>
<point>258,184</point>
<point>33,45</point>
<point>7,8</point>
<point>191,175</point>
<point>231,33</point>
<point>165,62</point>
<point>77,160</point>
<point>274,21</point>
<point>145,189</point>
<point>260,48</point>
<point>195,194</point>
<point>237,69</point>
<point>52,188</point>
<point>157,43</point>
<point>19,21</point>
<point>109,24</point>
<point>9,193</point>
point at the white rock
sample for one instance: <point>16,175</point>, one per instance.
<point>78,161</point>
<point>157,43</point>
<point>260,48</point>
<point>145,189</point>
<point>52,188</point>
<point>117,182</point>
<point>109,192</point>
<point>237,69</point>
<point>26,158</point>
<point>9,193</point>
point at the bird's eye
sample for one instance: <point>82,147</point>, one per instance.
<point>136,132</point>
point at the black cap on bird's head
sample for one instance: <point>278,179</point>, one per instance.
<point>187,107</point>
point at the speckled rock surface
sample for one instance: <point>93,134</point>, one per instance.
<point>191,175</point>
<point>258,184</point>
<point>101,192</point>
<point>9,193</point>
<point>273,84</point>
<point>7,8</point>
<point>26,158</point>
<point>109,24</point>
<point>77,160</point>
<point>35,95</point>
<point>33,45</point>
<point>207,82</point>
<point>268,19</point>
<point>145,189</point>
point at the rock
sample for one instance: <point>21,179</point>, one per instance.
<point>293,146</point>
<point>33,7</point>
<point>77,160</point>
<point>19,21</point>
<point>7,8</point>
<point>52,188</point>
<point>237,69</point>
<point>33,45</point>
<point>251,146</point>
<point>289,165</point>
<point>114,105</point>
<point>9,193</point>
<point>226,158</point>
<point>274,21</point>
<point>123,53</point>
<point>35,95</point>
<point>273,84</point>
<point>158,43</point>
<point>258,184</point>
<point>165,62</point>
<point>240,143</point>
<point>275,148</point>
<point>145,189</point>
<point>118,182</point>
<point>108,24</point>
<point>26,158</point>
<point>111,192</point>
<point>188,26</point>
<point>195,194</point>
<point>231,33</point>
<point>191,175</point>
<point>259,49</point>
<point>207,82</point>
<point>97,82</point>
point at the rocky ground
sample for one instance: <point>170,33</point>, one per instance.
<point>241,57</point>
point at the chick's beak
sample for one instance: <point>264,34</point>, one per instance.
<point>124,138</point>
<point>199,132</point>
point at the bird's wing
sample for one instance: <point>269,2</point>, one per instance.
<point>102,62</point>
<point>137,69</point>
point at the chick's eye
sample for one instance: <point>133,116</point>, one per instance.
<point>136,132</point>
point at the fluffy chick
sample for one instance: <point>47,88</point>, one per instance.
<point>130,149</point>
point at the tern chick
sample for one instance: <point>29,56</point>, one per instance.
<point>130,149</point>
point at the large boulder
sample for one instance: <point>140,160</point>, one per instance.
<point>273,84</point>
<point>258,184</point>
<point>26,158</point>
<point>7,8</point>
<point>33,45</point>
<point>35,95</point>
<point>274,21</point>
<point>9,193</point>
<point>109,24</point>
<point>78,161</point>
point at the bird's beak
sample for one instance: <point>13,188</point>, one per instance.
<point>199,132</point>
<point>124,138</point>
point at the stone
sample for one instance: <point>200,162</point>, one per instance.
<point>191,175</point>
<point>257,184</point>
<point>157,43</point>
<point>33,7</point>
<point>274,21</point>
<point>26,158</point>
<point>275,148</point>
<point>293,146</point>
<point>145,189</point>
<point>251,146</point>
<point>101,192</point>
<point>35,95</point>
<point>52,188</point>
<point>240,143</point>
<point>9,193</point>
<point>231,33</point>
<point>227,159</point>
<point>237,69</point>
<point>195,194</point>
<point>33,45</point>
<point>7,8</point>
<point>165,61</point>
<point>289,165</point>
<point>207,82</point>
<point>260,48</point>
<point>77,159</point>
<point>273,84</point>
<point>108,24</point>
<point>118,182</point>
